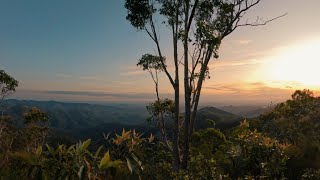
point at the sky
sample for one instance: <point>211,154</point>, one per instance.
<point>80,50</point>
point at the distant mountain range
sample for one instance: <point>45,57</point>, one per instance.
<point>220,118</point>
<point>82,120</point>
<point>72,118</point>
<point>75,115</point>
<point>246,111</point>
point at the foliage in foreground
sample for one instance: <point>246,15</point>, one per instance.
<point>295,122</point>
<point>243,153</point>
<point>283,143</point>
<point>78,162</point>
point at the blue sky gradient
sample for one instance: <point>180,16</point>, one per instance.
<point>82,45</point>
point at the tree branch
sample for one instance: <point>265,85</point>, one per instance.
<point>263,23</point>
<point>155,39</point>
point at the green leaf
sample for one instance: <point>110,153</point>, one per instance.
<point>39,151</point>
<point>85,145</point>
<point>60,148</point>
<point>81,172</point>
<point>137,160</point>
<point>105,160</point>
<point>51,150</point>
<point>129,165</point>
<point>97,152</point>
<point>115,163</point>
<point>107,163</point>
<point>71,148</point>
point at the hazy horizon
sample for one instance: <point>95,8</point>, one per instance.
<point>264,99</point>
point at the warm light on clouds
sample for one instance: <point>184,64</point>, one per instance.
<point>92,56</point>
<point>244,42</point>
<point>298,63</point>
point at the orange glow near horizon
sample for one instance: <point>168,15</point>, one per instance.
<point>295,66</point>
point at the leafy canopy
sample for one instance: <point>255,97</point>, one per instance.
<point>7,84</point>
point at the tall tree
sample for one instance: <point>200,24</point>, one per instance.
<point>200,25</point>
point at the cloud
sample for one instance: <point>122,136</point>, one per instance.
<point>246,93</point>
<point>238,42</point>
<point>223,88</point>
<point>105,94</point>
<point>291,84</point>
<point>124,83</point>
<point>222,94</point>
<point>94,78</point>
<point>245,88</point>
<point>244,42</point>
<point>133,73</point>
<point>85,96</point>
<point>91,78</point>
<point>233,63</point>
<point>60,75</point>
<point>130,68</point>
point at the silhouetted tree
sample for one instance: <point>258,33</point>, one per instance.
<point>200,25</point>
<point>7,84</point>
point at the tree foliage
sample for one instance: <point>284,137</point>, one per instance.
<point>7,84</point>
<point>200,26</point>
<point>296,122</point>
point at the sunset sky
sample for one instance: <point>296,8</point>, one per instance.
<point>81,50</point>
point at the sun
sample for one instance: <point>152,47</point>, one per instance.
<point>299,63</point>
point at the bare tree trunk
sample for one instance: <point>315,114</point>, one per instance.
<point>176,129</point>
<point>186,90</point>
<point>157,92</point>
<point>199,87</point>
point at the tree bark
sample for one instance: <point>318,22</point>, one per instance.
<point>187,93</point>
<point>199,87</point>
<point>176,131</point>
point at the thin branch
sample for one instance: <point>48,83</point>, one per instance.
<point>152,76</point>
<point>155,39</point>
<point>192,14</point>
<point>263,23</point>
<point>241,11</point>
<point>150,34</point>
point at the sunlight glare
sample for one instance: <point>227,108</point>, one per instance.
<point>299,64</point>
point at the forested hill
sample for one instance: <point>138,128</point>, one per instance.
<point>211,116</point>
<point>247,111</point>
<point>79,115</point>
<point>82,120</point>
